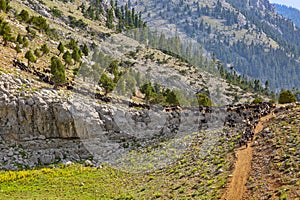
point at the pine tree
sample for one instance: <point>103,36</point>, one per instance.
<point>39,23</point>
<point>148,90</point>
<point>76,55</point>
<point>24,15</point>
<point>171,98</point>
<point>67,58</point>
<point>203,100</point>
<point>30,57</point>
<point>85,70</point>
<point>110,18</point>
<point>107,83</point>
<point>25,42</point>
<point>61,48</point>
<point>72,44</point>
<point>57,71</point>
<point>6,32</point>
<point>18,49</point>
<point>85,50</point>
<point>19,39</point>
<point>113,67</point>
<point>37,53</point>
<point>45,50</point>
<point>4,5</point>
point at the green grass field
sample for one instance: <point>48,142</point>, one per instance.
<point>72,182</point>
<point>187,178</point>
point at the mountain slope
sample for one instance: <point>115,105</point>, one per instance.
<point>92,86</point>
<point>139,122</point>
<point>289,13</point>
<point>274,172</point>
<point>246,35</point>
<point>276,175</point>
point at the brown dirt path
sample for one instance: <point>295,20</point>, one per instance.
<point>242,168</point>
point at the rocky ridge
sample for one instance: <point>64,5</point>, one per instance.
<point>45,126</point>
<point>65,122</point>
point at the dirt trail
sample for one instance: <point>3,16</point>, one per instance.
<point>242,169</point>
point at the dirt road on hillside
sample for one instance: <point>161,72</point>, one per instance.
<point>242,169</point>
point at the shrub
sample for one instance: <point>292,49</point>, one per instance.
<point>55,12</point>
<point>286,96</point>
<point>257,100</point>
<point>4,5</point>
<point>203,100</point>
<point>24,15</point>
<point>272,101</point>
<point>39,23</point>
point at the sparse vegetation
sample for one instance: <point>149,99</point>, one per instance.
<point>275,159</point>
<point>201,172</point>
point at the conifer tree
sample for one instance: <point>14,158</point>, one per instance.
<point>30,57</point>
<point>171,98</point>
<point>85,70</point>
<point>44,49</point>
<point>24,15</point>
<point>203,100</point>
<point>148,90</point>
<point>19,39</point>
<point>4,5</point>
<point>37,53</point>
<point>107,83</point>
<point>85,50</point>
<point>25,42</point>
<point>18,49</point>
<point>110,18</point>
<point>67,58</point>
<point>61,48</point>
<point>72,44</point>
<point>6,32</point>
<point>57,71</point>
<point>76,55</point>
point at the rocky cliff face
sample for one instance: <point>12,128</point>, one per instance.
<point>27,115</point>
<point>44,126</point>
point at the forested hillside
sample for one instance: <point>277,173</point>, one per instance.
<point>289,12</point>
<point>247,36</point>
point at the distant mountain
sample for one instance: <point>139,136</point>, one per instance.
<point>248,36</point>
<point>289,12</point>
